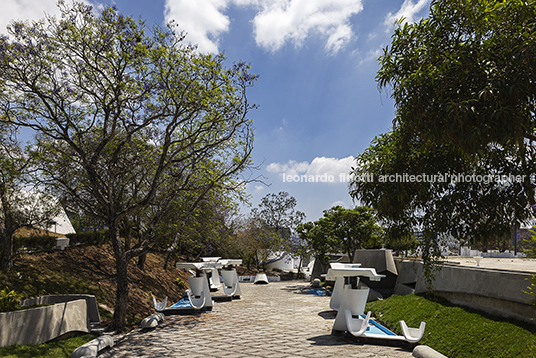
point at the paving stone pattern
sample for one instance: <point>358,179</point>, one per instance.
<point>274,320</point>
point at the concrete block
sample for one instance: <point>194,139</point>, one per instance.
<point>91,303</point>
<point>384,263</point>
<point>407,272</point>
<point>92,348</point>
<point>403,290</point>
<point>62,243</point>
<point>381,260</point>
<point>41,324</point>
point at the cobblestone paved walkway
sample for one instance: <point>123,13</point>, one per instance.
<point>274,320</point>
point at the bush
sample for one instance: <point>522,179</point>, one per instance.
<point>8,300</point>
<point>180,282</point>
<point>34,243</point>
<point>88,238</point>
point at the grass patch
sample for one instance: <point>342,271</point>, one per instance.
<point>456,331</point>
<point>55,349</point>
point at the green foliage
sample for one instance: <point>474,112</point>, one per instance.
<point>55,349</point>
<point>88,238</point>
<point>271,228</point>
<point>455,331</point>
<point>343,230</point>
<point>18,206</point>
<point>128,120</point>
<point>179,281</point>
<point>278,213</point>
<point>531,290</point>
<point>462,83</point>
<point>314,233</point>
<point>400,239</point>
<point>8,300</point>
<point>34,243</point>
<point>205,231</point>
<point>531,251</point>
<point>463,75</point>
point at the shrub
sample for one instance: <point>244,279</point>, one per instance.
<point>179,281</point>
<point>88,238</point>
<point>34,243</point>
<point>8,300</point>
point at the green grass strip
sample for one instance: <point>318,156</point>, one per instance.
<point>456,331</point>
<point>54,349</point>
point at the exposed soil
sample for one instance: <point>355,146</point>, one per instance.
<point>91,270</point>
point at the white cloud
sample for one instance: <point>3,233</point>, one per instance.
<point>409,10</point>
<point>277,22</point>
<point>258,188</point>
<point>283,21</point>
<point>203,20</point>
<point>31,10</point>
<point>320,166</point>
<point>338,203</point>
<point>371,56</point>
<point>291,167</point>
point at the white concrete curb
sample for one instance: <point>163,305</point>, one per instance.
<point>426,352</point>
<point>152,321</point>
<point>92,348</point>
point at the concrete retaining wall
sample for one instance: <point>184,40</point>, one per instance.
<point>39,325</point>
<point>91,303</point>
<point>495,291</point>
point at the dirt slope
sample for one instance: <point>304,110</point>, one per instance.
<point>91,270</point>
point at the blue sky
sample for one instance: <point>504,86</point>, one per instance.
<point>319,105</point>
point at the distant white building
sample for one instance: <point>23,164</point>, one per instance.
<point>283,261</point>
<point>62,225</point>
<point>35,205</point>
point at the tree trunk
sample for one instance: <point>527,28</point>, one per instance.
<point>299,266</point>
<point>6,232</point>
<point>6,253</point>
<point>141,261</point>
<point>121,263</point>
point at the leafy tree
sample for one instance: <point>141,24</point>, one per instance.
<point>18,208</point>
<point>313,233</point>
<point>257,241</point>
<point>204,231</point>
<point>278,213</point>
<point>352,229</point>
<point>462,81</point>
<point>126,121</point>
<point>531,241</point>
<point>344,230</point>
<point>276,220</point>
<point>400,239</point>
<point>463,76</point>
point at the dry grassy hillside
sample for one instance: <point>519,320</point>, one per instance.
<point>91,270</point>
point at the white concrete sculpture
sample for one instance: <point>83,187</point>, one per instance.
<point>231,286</point>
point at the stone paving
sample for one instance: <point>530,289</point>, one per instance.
<point>274,320</point>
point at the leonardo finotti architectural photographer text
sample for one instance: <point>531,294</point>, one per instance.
<point>403,178</point>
